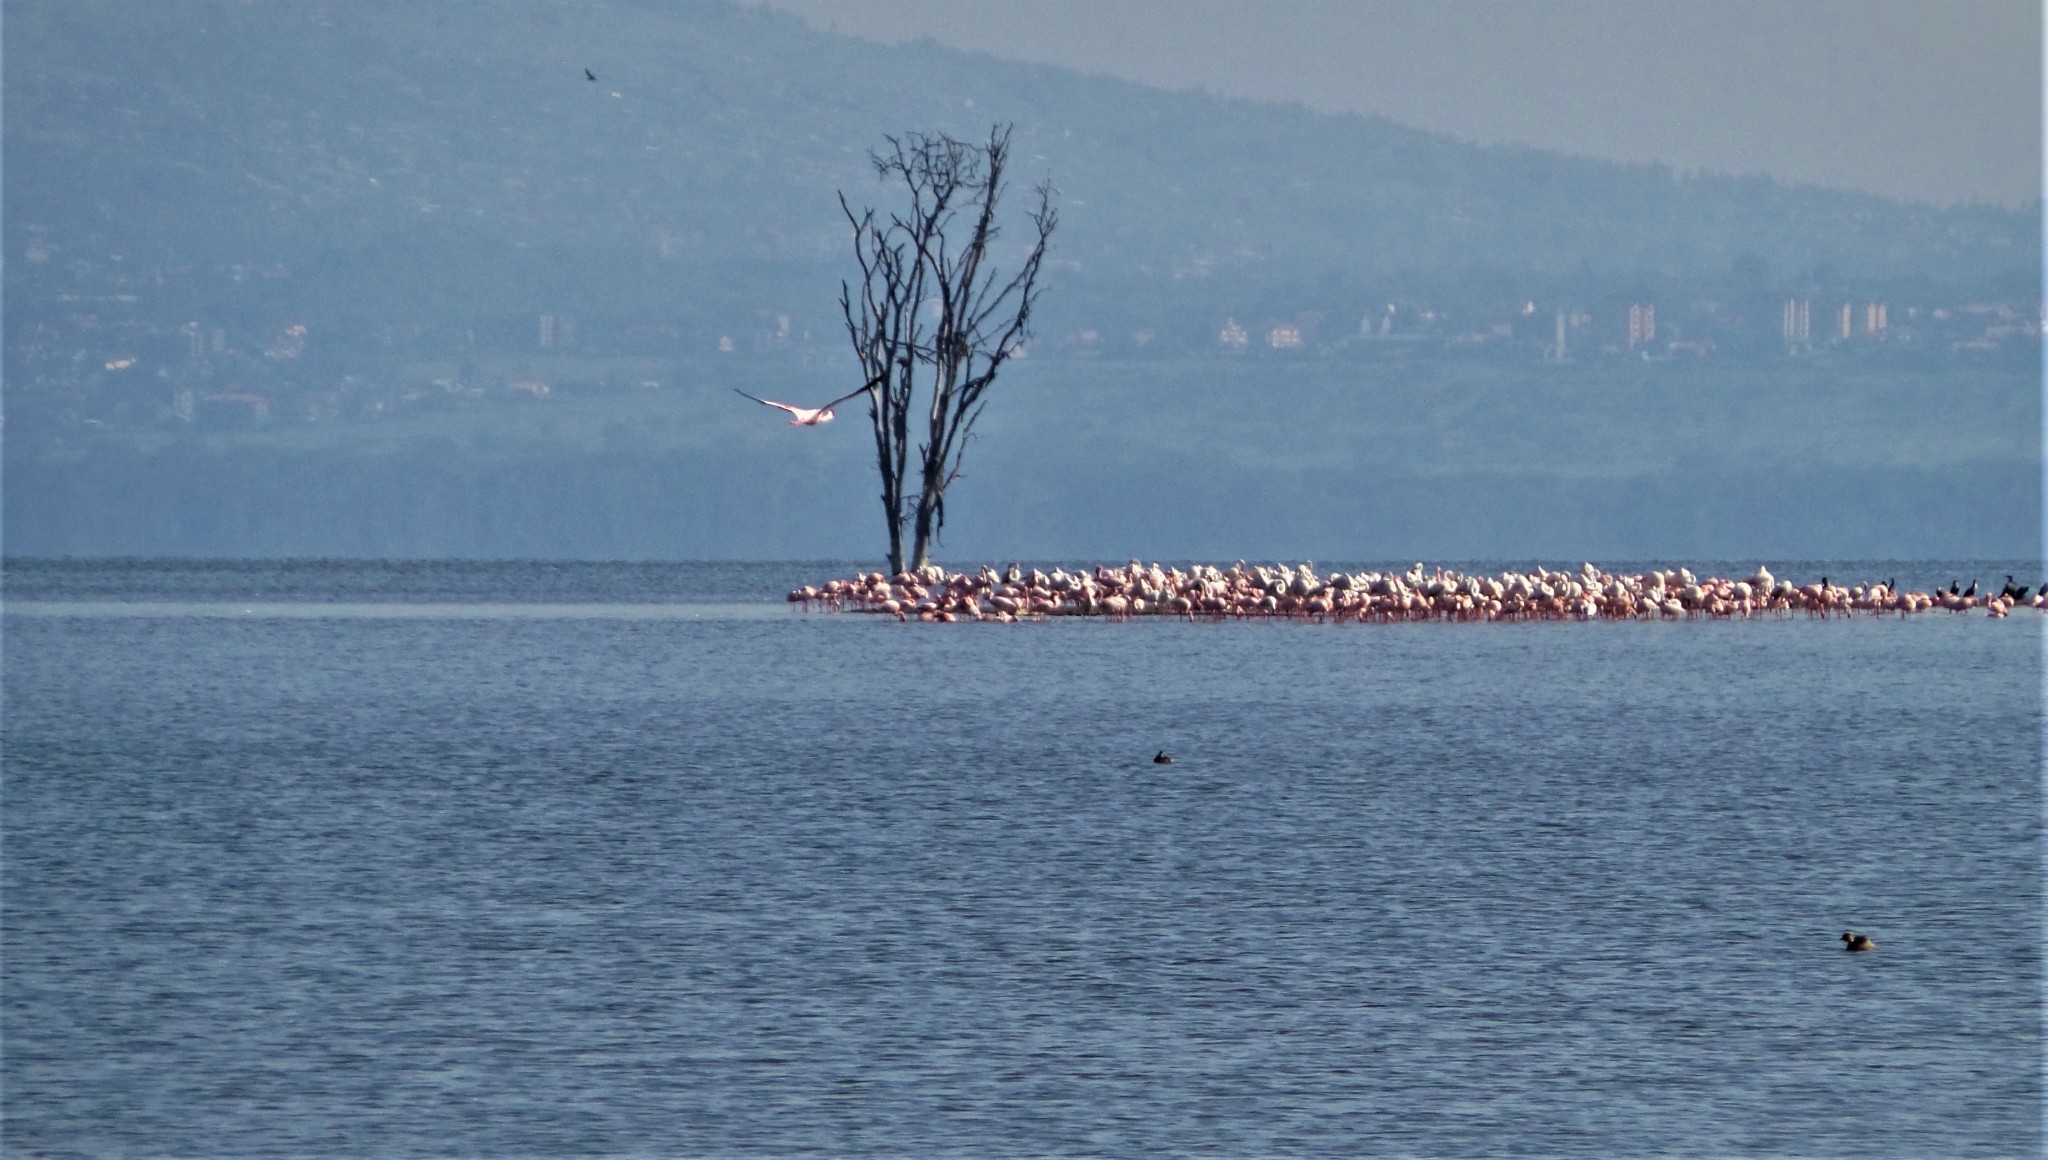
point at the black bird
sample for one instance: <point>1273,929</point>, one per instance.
<point>1892,585</point>
<point>2043,591</point>
<point>1954,586</point>
<point>2010,590</point>
<point>1160,758</point>
<point>1851,941</point>
<point>588,75</point>
<point>1972,590</point>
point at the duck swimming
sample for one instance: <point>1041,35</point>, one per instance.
<point>1160,758</point>
<point>1851,941</point>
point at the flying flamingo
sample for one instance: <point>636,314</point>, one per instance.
<point>809,416</point>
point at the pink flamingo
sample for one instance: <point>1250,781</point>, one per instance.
<point>807,416</point>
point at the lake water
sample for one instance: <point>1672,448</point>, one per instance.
<point>353,859</point>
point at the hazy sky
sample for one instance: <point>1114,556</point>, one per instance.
<point>1930,100</point>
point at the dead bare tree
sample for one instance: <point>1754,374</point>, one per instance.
<point>931,311</point>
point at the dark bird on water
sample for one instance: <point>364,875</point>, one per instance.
<point>588,75</point>
<point>1971,590</point>
<point>1160,758</point>
<point>1954,586</point>
<point>1851,941</point>
<point>2043,591</point>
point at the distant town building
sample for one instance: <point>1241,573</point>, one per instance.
<point>1874,322</point>
<point>556,330</point>
<point>1798,323</point>
<point>1283,336</point>
<point>1642,325</point>
<point>1846,324</point>
<point>1232,335</point>
<point>289,344</point>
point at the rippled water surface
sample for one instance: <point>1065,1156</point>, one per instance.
<point>524,860</point>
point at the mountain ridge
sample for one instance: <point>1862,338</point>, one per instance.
<point>725,142</point>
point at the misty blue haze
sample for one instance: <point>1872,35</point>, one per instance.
<point>349,859</point>
<point>392,279</point>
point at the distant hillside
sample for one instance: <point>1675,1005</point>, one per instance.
<point>392,277</point>
<point>450,157</point>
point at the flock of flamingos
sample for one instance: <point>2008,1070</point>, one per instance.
<point>1242,591</point>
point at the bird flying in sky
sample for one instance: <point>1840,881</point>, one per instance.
<point>806,416</point>
<point>588,75</point>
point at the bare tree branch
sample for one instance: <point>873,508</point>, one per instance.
<point>918,264</point>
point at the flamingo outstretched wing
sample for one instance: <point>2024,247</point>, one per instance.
<point>800,412</point>
<point>849,395</point>
<point>809,416</point>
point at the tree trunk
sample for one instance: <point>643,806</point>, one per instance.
<point>913,267</point>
